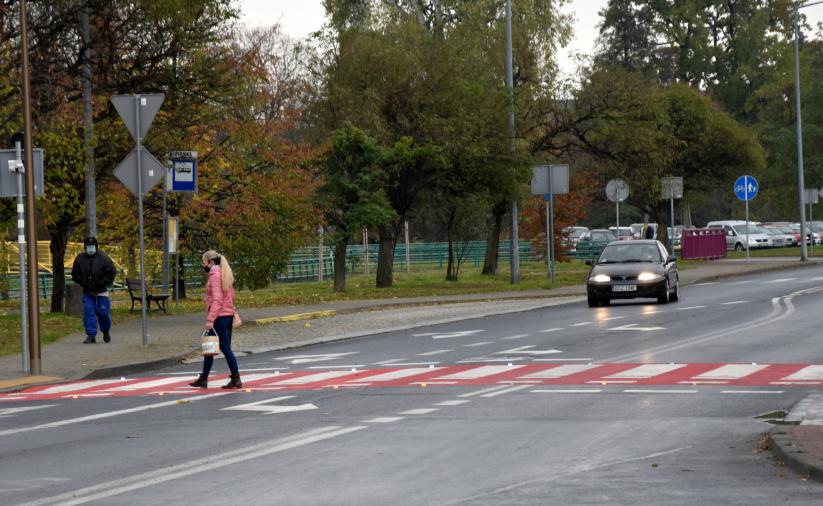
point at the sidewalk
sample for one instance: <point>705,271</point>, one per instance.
<point>801,446</point>
<point>173,338</point>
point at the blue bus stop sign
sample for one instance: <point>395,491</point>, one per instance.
<point>746,187</point>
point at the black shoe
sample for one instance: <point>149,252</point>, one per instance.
<point>90,340</point>
<point>106,337</point>
<point>234,383</point>
<point>202,381</point>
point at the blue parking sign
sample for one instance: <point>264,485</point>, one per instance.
<point>746,187</point>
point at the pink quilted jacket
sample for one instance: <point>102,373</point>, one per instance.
<point>218,302</point>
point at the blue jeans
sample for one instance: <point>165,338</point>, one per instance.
<point>96,309</point>
<point>222,326</point>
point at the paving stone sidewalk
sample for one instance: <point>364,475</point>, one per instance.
<point>801,446</point>
<point>175,338</point>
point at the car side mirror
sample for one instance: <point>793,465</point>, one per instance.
<point>671,259</point>
<point>589,261</point>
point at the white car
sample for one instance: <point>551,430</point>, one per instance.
<point>736,234</point>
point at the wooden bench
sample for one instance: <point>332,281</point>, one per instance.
<point>134,292</point>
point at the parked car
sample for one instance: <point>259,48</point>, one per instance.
<point>571,236</point>
<point>624,234</point>
<point>736,234</point>
<point>598,235</point>
<point>633,269</point>
<point>786,228</point>
<point>779,238</point>
<point>676,236</point>
<point>811,237</point>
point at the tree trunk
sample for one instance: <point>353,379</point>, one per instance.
<point>493,239</point>
<point>451,270</point>
<point>385,256</point>
<point>57,247</point>
<point>340,264</point>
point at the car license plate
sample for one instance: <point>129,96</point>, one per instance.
<point>624,288</point>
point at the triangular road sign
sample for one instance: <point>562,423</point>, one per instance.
<point>149,105</point>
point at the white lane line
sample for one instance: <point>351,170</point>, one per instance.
<point>612,318</point>
<point>734,302</point>
<point>646,371</point>
<point>431,353</point>
<point>781,280</point>
<point>482,343</point>
<point>546,331</point>
<point>389,362</point>
<point>651,312</point>
<point>480,372</point>
<point>419,411</point>
<point>109,414</point>
<point>394,375</point>
<point>518,336</point>
<point>690,308</point>
<point>560,371</point>
<point>752,391</point>
<point>4,412</point>
<point>640,391</point>
<point>483,391</point>
<point>731,372</point>
<point>506,391</point>
<point>706,284</point>
<point>808,373</point>
<point>475,360</point>
<point>455,402</point>
<point>385,419</point>
<point>746,282</point>
<point>409,364</point>
<point>188,468</point>
<point>566,391</point>
<point>527,350</point>
<point>331,367</point>
<point>581,324</point>
<point>312,378</point>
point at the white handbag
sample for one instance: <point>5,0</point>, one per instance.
<point>210,344</point>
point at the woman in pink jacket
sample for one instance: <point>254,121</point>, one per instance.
<point>219,315</point>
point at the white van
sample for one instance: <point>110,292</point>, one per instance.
<point>736,234</point>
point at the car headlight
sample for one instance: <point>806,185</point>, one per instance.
<point>601,278</point>
<point>649,276</point>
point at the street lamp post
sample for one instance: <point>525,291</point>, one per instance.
<point>800,184</point>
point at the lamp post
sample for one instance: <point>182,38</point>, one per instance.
<point>800,185</point>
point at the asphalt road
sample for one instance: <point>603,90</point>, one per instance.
<point>470,412</point>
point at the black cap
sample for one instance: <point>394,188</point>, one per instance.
<point>90,241</point>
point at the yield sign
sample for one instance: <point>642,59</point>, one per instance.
<point>153,171</point>
<point>263,407</point>
<point>126,108</point>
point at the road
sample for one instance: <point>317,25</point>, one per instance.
<point>637,403</point>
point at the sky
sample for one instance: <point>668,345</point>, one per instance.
<point>298,18</point>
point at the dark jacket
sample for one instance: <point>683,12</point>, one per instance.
<point>93,273</point>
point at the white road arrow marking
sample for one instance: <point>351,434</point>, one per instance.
<point>263,407</point>
<point>304,359</point>
<point>449,335</point>
<point>525,350</point>
<point>633,326</point>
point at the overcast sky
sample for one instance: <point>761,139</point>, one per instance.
<point>300,17</point>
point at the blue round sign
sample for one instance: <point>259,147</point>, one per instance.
<point>746,187</point>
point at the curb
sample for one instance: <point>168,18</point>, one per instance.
<point>295,317</point>
<point>786,448</point>
<point>127,369</point>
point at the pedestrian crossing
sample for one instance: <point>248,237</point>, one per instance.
<point>452,375</point>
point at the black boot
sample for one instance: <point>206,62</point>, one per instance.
<point>89,340</point>
<point>106,337</point>
<point>202,381</point>
<point>234,383</point>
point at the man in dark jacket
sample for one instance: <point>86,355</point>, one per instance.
<point>94,271</point>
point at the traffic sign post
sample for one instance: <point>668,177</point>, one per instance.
<point>139,171</point>
<point>746,188</point>
<point>671,188</point>
<point>182,177</point>
<point>617,191</point>
<point>549,180</point>
<point>811,196</point>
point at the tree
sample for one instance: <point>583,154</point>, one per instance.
<point>351,194</point>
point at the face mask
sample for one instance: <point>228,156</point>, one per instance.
<point>91,250</point>
<point>207,268</point>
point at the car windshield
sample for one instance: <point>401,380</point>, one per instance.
<point>575,233</point>
<point>786,229</point>
<point>741,229</point>
<point>602,235</point>
<point>627,253</point>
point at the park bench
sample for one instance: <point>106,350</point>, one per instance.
<point>134,292</point>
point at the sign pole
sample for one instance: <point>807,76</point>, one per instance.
<point>165,237</point>
<point>548,240</point>
<point>551,230</point>
<point>139,150</point>
<point>408,256</point>
<point>671,204</point>
<point>21,257</point>
<point>747,218</point>
<point>617,212</point>
<point>811,228</point>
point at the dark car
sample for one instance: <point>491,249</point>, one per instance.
<point>633,269</point>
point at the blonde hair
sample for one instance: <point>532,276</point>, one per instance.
<point>226,274</point>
